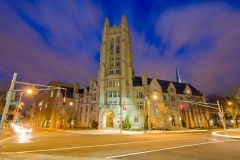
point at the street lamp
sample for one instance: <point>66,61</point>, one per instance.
<point>180,121</point>
<point>170,119</point>
<point>149,113</point>
<point>29,91</point>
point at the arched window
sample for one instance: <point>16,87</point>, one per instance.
<point>118,45</point>
<point>111,46</point>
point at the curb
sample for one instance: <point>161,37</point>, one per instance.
<point>217,133</point>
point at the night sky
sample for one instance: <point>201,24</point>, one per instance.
<point>45,40</point>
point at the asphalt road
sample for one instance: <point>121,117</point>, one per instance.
<point>167,146</point>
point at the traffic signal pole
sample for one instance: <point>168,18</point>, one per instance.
<point>224,124</point>
<point>207,105</point>
<point>5,111</point>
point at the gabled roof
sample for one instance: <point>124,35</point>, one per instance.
<point>180,87</point>
<point>69,92</point>
<point>81,91</point>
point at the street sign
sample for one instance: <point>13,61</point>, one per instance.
<point>221,115</point>
<point>15,103</point>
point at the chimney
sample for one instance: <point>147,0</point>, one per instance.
<point>144,79</point>
<point>76,87</point>
<point>91,82</point>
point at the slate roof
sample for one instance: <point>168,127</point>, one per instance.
<point>180,87</point>
<point>69,92</point>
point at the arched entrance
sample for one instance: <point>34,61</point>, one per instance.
<point>110,119</point>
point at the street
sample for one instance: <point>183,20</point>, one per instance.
<point>72,145</point>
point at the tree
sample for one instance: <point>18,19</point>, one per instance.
<point>94,124</point>
<point>67,114</point>
<point>200,109</point>
<point>233,110</point>
<point>233,107</point>
<point>127,124</point>
<point>164,112</point>
<point>4,87</point>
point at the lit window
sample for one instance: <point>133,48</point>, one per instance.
<point>71,103</point>
<point>40,103</point>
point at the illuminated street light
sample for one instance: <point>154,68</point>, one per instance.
<point>229,103</point>
<point>10,93</point>
<point>29,91</point>
<point>149,113</point>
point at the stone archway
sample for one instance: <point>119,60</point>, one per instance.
<point>110,119</point>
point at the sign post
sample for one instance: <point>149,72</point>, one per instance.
<point>221,115</point>
<point>5,111</point>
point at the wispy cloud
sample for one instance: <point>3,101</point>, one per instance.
<point>203,39</point>
<point>61,41</point>
<point>58,42</point>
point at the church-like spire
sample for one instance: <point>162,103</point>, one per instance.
<point>177,74</point>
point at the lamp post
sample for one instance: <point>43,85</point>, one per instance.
<point>170,119</point>
<point>149,113</point>
<point>144,118</point>
<point>180,120</point>
<point>29,91</point>
<point>7,103</point>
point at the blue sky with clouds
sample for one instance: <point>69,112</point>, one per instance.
<point>44,40</point>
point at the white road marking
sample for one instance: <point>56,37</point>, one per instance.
<point>163,149</point>
<point>6,139</point>
<point>104,145</point>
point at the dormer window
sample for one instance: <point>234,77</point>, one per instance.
<point>171,90</point>
<point>188,91</point>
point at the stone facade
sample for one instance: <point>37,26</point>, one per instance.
<point>119,92</point>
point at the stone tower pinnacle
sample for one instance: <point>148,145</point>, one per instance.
<point>177,74</point>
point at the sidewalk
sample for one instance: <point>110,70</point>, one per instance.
<point>117,131</point>
<point>7,132</point>
<point>231,133</point>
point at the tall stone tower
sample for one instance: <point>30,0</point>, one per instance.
<point>115,72</point>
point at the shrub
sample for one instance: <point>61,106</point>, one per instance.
<point>127,124</point>
<point>94,124</point>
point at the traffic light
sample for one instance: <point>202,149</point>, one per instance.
<point>181,106</point>
<point>124,107</point>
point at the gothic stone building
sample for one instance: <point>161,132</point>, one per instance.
<point>119,92</point>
